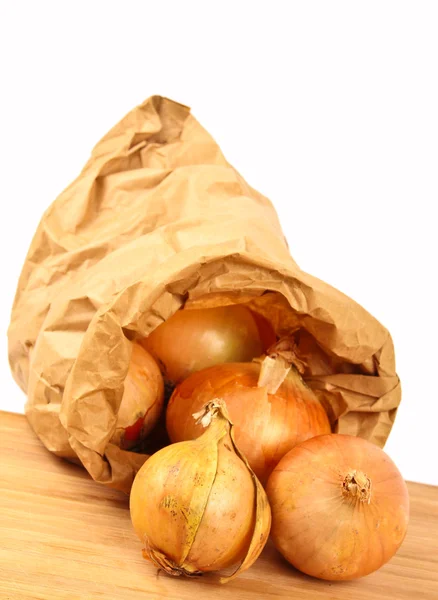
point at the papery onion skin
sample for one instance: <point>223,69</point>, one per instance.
<point>198,507</point>
<point>194,339</point>
<point>327,525</point>
<point>160,514</point>
<point>266,426</point>
<point>142,401</point>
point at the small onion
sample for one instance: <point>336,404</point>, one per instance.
<point>142,400</point>
<point>197,506</point>
<point>340,507</point>
<point>267,425</point>
<point>194,339</point>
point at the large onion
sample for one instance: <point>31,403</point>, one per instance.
<point>340,507</point>
<point>267,425</point>
<point>197,506</point>
<point>142,400</point>
<point>194,339</point>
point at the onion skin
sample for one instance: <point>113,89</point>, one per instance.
<point>198,508</point>
<point>142,401</point>
<point>266,331</point>
<point>195,339</point>
<point>340,507</point>
<point>266,426</point>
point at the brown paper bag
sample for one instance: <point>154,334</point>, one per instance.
<point>158,220</point>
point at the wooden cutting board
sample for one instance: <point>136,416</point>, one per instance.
<point>64,537</point>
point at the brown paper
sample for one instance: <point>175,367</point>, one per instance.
<point>157,220</point>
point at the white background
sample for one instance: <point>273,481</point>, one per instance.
<point>328,108</point>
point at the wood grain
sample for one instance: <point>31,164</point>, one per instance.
<point>65,537</point>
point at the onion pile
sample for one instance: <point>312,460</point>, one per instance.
<point>197,506</point>
<point>194,339</point>
<point>142,401</point>
<point>241,416</point>
<point>340,507</point>
<point>267,425</point>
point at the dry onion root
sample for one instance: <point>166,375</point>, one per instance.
<point>194,339</point>
<point>270,405</point>
<point>340,507</point>
<point>197,506</point>
<point>142,400</point>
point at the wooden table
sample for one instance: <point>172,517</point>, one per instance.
<point>64,537</point>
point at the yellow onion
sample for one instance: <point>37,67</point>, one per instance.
<point>142,400</point>
<point>270,405</point>
<point>340,507</point>
<point>197,506</point>
<point>194,339</point>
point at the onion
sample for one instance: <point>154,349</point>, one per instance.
<point>142,400</point>
<point>197,506</point>
<point>266,332</point>
<point>340,507</point>
<point>194,339</point>
<point>267,425</point>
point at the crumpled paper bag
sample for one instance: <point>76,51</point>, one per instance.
<point>158,220</point>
